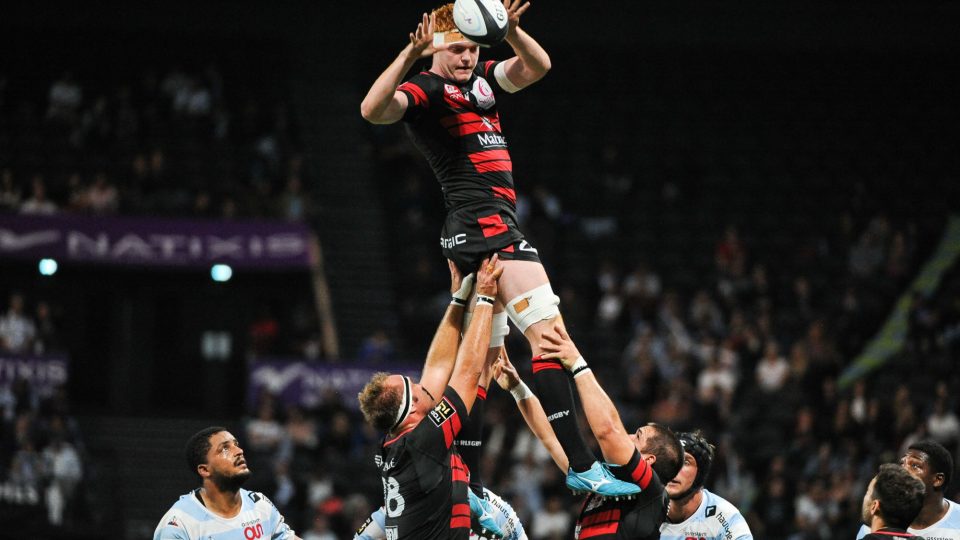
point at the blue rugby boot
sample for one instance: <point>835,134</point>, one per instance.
<point>598,479</point>
<point>484,517</point>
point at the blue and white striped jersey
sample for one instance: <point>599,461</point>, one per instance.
<point>715,519</point>
<point>189,519</point>
<point>948,528</point>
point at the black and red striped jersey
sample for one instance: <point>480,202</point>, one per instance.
<point>457,128</point>
<point>636,519</point>
<point>424,479</point>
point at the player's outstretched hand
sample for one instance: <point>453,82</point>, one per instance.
<point>487,276</point>
<point>421,40</point>
<point>515,8</point>
<point>504,372</point>
<point>557,344</point>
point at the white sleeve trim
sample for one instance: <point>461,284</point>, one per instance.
<point>500,73</point>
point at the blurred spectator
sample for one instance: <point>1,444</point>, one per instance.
<point>773,370</point>
<point>376,348</point>
<point>553,523</point>
<point>17,331</point>
<point>943,424</point>
<point>65,98</point>
<point>10,193</point>
<point>64,471</point>
<point>38,203</point>
<point>101,196</point>
<point>47,337</point>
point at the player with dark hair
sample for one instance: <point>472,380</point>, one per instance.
<point>695,512</point>
<point>424,478</point>
<point>939,517</point>
<point>450,111</point>
<point>891,503</point>
<point>220,508</point>
<point>652,452</point>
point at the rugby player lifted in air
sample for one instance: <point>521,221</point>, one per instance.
<point>450,113</point>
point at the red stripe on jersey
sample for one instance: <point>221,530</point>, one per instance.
<point>458,469</point>
<point>508,249</point>
<point>486,68</point>
<point>481,392</point>
<point>601,517</point>
<point>494,166</point>
<point>505,193</point>
<point>489,155</point>
<point>492,225</point>
<point>455,120</point>
<point>460,516</point>
<point>447,434</point>
<point>541,364</point>
<point>491,160</point>
<point>402,433</point>
<point>420,98</point>
<point>455,420</point>
<point>597,530</point>
<point>642,474</point>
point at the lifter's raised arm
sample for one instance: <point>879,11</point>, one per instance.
<point>602,415</point>
<point>442,354</point>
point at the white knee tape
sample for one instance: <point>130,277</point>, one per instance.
<point>500,329</point>
<point>533,306</point>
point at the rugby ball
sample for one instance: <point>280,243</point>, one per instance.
<point>482,21</point>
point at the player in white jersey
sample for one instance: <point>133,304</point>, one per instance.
<point>939,519</point>
<point>694,511</point>
<point>220,509</point>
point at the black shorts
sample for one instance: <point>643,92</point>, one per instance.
<point>473,233</point>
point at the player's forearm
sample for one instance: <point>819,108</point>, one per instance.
<point>376,103</point>
<point>534,62</point>
<point>602,415</point>
<point>442,354</point>
<point>472,355</point>
<point>533,414</point>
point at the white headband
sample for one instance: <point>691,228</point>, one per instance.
<point>406,403</point>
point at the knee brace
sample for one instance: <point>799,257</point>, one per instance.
<point>533,306</point>
<point>499,327</point>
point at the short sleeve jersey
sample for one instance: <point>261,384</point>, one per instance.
<point>635,519</point>
<point>457,128</point>
<point>715,519</point>
<point>424,478</point>
<point>189,519</point>
<point>948,528</point>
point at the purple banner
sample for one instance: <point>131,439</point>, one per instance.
<point>155,242</point>
<point>305,383</point>
<point>44,373</point>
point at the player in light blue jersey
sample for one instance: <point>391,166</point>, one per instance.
<point>694,511</point>
<point>220,509</point>
<point>939,519</point>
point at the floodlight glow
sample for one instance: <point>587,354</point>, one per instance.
<point>221,272</point>
<point>48,267</point>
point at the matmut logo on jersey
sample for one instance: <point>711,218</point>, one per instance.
<point>442,412</point>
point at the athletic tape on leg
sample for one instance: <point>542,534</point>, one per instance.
<point>533,306</point>
<point>500,329</point>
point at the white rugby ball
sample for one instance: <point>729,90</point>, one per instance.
<point>481,21</point>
